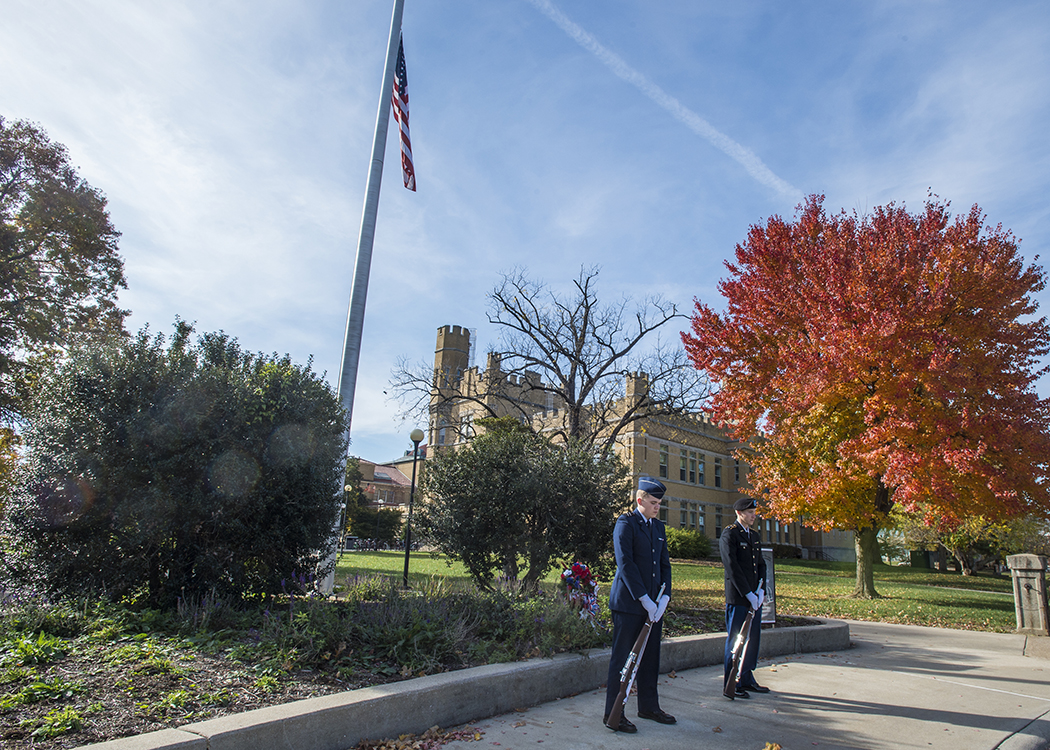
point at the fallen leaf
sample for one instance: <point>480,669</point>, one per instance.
<point>717,729</point>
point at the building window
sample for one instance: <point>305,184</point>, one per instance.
<point>692,468</point>
<point>663,462</point>
<point>718,522</point>
<point>718,472</point>
<point>736,471</point>
<point>692,515</point>
<point>441,436</point>
<point>682,466</point>
<point>700,517</point>
<point>700,475</point>
<point>663,513</point>
<point>683,516</point>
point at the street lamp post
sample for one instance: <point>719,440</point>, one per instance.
<point>416,437</point>
<point>347,489</point>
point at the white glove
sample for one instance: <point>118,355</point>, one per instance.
<point>761,598</point>
<point>752,599</point>
<point>662,607</point>
<point>650,606</point>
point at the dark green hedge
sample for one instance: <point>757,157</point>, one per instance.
<point>687,544</point>
<point>173,469</point>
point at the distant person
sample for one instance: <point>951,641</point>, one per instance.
<point>745,576</point>
<point>642,566</point>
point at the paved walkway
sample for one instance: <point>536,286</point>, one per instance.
<point>898,686</point>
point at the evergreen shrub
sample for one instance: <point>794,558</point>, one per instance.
<point>173,470</point>
<point>687,544</point>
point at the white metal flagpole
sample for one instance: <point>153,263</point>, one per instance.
<point>355,317</point>
<point>359,291</point>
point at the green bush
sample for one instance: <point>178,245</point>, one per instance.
<point>786,551</point>
<point>175,470</point>
<point>381,627</point>
<point>687,544</point>
<point>489,504</point>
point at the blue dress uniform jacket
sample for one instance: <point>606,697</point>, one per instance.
<point>642,565</point>
<point>642,562</point>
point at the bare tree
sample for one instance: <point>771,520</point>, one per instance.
<point>573,367</point>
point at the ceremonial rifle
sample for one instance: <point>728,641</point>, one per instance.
<point>739,647</point>
<point>630,670</point>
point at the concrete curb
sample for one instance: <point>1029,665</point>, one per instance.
<point>341,720</point>
<point>1037,646</point>
<point>1036,736</point>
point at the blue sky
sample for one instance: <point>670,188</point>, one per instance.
<point>232,140</point>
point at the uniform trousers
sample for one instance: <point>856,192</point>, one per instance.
<point>626,628</point>
<point>735,614</point>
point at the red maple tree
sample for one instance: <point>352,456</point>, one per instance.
<point>878,360</point>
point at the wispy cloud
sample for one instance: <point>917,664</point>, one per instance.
<point>742,155</point>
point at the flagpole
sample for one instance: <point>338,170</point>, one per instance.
<point>355,317</point>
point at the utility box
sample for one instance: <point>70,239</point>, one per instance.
<point>920,558</point>
<point>1029,577</point>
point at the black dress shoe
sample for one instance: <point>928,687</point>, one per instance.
<point>624,726</point>
<point>740,693</point>
<point>658,715</point>
<point>754,687</point>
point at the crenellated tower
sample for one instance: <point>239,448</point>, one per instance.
<point>452,355</point>
<point>451,359</point>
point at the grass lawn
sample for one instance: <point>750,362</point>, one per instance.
<point>805,588</point>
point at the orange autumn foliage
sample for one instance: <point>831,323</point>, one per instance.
<point>882,359</point>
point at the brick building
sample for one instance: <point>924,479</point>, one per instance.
<point>691,455</point>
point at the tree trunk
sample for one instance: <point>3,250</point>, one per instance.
<point>966,563</point>
<point>867,548</point>
<point>510,564</point>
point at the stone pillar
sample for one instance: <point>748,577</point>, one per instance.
<point>1029,577</point>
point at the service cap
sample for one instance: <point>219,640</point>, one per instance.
<point>651,486</point>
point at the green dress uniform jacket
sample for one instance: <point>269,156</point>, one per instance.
<point>745,568</point>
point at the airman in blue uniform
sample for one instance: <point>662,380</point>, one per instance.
<point>642,567</point>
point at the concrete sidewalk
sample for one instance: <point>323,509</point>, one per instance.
<point>897,686</point>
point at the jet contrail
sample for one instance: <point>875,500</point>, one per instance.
<point>680,112</point>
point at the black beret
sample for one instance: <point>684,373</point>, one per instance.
<point>744,503</point>
<point>652,486</point>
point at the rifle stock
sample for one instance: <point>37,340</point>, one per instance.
<point>729,689</point>
<point>630,669</point>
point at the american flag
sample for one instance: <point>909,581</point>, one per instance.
<point>399,99</point>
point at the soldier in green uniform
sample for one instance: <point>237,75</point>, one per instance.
<point>745,576</point>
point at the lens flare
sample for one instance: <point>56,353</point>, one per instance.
<point>234,474</point>
<point>290,445</point>
<point>63,500</point>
